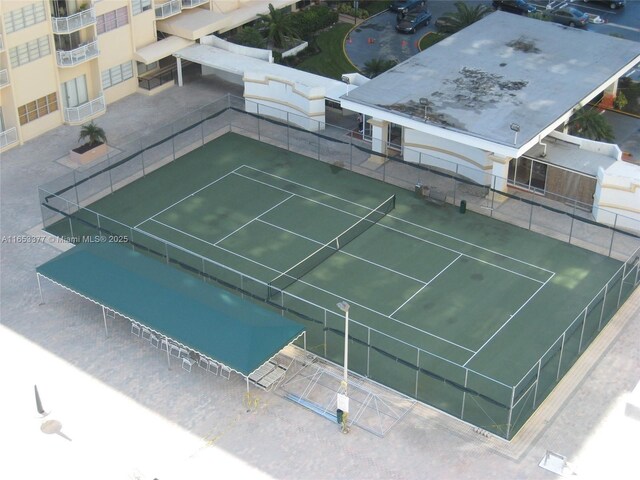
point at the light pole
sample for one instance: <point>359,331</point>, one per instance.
<point>425,102</point>
<point>343,399</point>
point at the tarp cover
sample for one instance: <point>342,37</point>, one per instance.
<point>212,321</point>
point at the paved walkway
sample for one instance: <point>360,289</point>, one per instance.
<point>117,412</point>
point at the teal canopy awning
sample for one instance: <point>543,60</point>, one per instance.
<point>207,319</point>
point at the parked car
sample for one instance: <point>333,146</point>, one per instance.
<point>569,16</point>
<point>521,7</point>
<point>413,20</point>
<point>403,6</point>
<point>611,3</point>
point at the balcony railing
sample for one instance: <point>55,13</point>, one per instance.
<point>193,3</point>
<point>168,9</point>
<point>82,112</point>
<point>8,137</point>
<point>74,22</point>
<point>4,78</point>
<point>69,58</point>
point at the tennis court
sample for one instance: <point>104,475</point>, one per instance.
<point>459,311</point>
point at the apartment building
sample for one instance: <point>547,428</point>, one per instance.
<point>65,61</point>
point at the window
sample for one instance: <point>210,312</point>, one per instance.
<point>139,6</point>
<point>30,51</point>
<point>75,92</point>
<point>38,108</point>
<point>112,20</point>
<point>24,17</point>
<point>117,74</point>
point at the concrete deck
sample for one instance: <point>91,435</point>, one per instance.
<point>117,412</point>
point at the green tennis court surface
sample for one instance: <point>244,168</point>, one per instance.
<point>459,311</point>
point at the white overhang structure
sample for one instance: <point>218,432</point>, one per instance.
<point>161,49</point>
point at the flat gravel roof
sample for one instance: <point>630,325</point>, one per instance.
<point>501,70</point>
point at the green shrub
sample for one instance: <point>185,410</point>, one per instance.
<point>314,19</point>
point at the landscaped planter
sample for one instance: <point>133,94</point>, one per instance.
<point>85,154</point>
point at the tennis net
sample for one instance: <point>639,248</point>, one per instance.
<point>304,266</point>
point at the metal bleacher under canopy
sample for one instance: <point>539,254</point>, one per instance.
<point>211,321</point>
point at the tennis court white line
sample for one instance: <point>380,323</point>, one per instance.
<point>208,243</point>
<point>460,253</point>
<point>352,302</point>
<point>188,196</point>
<point>253,220</point>
<point>310,285</point>
<point>425,286</point>
<point>401,220</point>
<point>303,197</point>
<point>345,253</point>
<point>471,244</point>
<point>508,320</point>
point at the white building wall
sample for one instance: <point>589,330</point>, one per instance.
<point>300,104</point>
<point>427,149</point>
<point>617,197</point>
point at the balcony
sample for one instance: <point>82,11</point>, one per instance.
<point>4,78</point>
<point>193,3</point>
<point>8,137</point>
<point>81,113</point>
<point>70,58</point>
<point>168,9</point>
<point>74,22</point>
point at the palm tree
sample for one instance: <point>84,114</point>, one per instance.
<point>376,66</point>
<point>279,26</point>
<point>93,134</point>
<point>463,16</point>
<point>589,123</point>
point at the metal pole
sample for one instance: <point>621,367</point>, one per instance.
<point>531,212</point>
<point>513,394</point>
<point>573,218</point>
<point>560,361</point>
<point>104,317</point>
<point>324,331</point>
<point>368,348</point>
<point>604,300</point>
<point>304,341</point>
<point>613,233</point>
<point>346,349</point>
<point>624,274</point>
<point>535,390</point>
<point>40,289</point>
<point>584,322</point>
<point>168,356</point>
<point>417,372</point>
<point>258,118</point>
<point>464,392</point>
<point>288,145</point>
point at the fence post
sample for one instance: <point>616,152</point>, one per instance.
<point>604,300</point>
<point>173,142</point>
<point>288,145</point>
<point>417,372</point>
<point>110,176</point>
<point>493,195</point>
<point>573,219</point>
<point>351,152</point>
<point>531,213</point>
<point>464,392</point>
<point>613,233</point>
<point>513,394</point>
<point>561,352</point>
<point>455,183</point>
<point>324,331</point>
<point>584,322</point>
<point>535,390</point>
<point>368,348</point>
<point>98,221</point>
<point>258,119</point>
<point>75,188</point>
<point>144,173</point>
<point>624,274</point>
